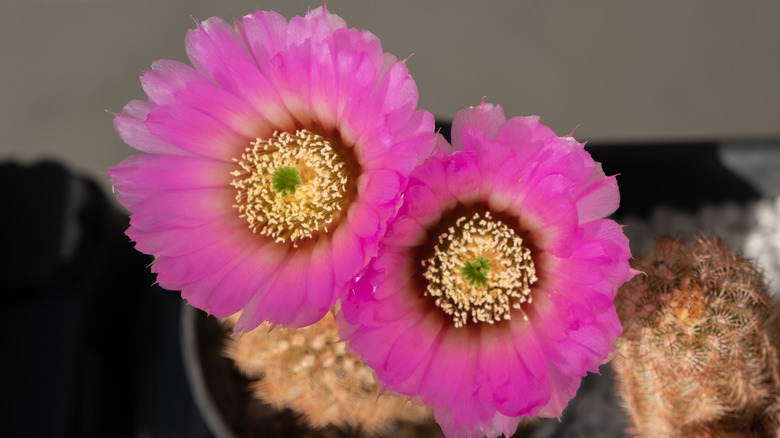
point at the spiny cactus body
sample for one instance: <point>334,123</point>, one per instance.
<point>308,371</point>
<point>699,352</point>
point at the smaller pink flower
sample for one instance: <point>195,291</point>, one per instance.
<point>493,293</point>
<point>271,165</point>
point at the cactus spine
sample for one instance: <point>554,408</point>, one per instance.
<point>308,371</point>
<point>699,352</point>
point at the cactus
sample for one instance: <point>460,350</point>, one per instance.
<point>308,371</point>
<point>699,352</point>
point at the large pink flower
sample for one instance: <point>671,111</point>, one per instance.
<point>272,165</point>
<point>493,294</point>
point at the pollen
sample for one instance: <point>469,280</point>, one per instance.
<point>480,271</point>
<point>291,186</point>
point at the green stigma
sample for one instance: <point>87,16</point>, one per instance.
<point>476,272</point>
<point>285,180</point>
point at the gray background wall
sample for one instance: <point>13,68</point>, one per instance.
<point>622,70</point>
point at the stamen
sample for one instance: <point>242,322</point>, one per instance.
<point>290,186</point>
<point>480,271</point>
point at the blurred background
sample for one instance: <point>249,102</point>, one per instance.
<point>621,71</point>
<point>682,99</point>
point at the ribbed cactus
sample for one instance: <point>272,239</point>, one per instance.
<point>699,352</point>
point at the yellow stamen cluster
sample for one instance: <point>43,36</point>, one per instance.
<point>290,212</point>
<point>501,271</point>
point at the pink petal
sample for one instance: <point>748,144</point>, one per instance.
<point>551,316</point>
<point>492,369</point>
<point>411,150</point>
<point>324,86</point>
<point>375,144</point>
<point>346,248</point>
<point>405,231</point>
<point>320,291</point>
<point>563,389</point>
<point>318,24</point>
<point>144,175</point>
<point>528,349</point>
<point>599,200</point>
<point>196,132</point>
<point>422,204</point>
<point>523,394</point>
<point>549,210</point>
<point>367,340</point>
<point>410,348</point>
<point>215,42</point>
<point>486,117</point>
<point>283,300</point>
<point>381,312</point>
<point>182,209</point>
<point>266,34</point>
<point>379,186</point>
<point>527,135</point>
<point>232,111</point>
<point>432,173</point>
<point>131,127</point>
<point>356,75</point>
<point>166,78</point>
<point>504,188</point>
<point>364,42</point>
<point>446,370</point>
<point>177,242</point>
<point>363,220</point>
<point>573,358</point>
<point>201,263</point>
<point>217,48</point>
<point>289,74</point>
<point>248,278</point>
<point>463,178</point>
<point>395,96</point>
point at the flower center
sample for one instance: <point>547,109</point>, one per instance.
<point>480,271</point>
<point>290,186</point>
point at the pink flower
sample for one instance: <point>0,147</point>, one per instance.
<point>271,166</point>
<point>493,294</point>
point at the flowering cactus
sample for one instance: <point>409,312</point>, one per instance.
<point>699,353</point>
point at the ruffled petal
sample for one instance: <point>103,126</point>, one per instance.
<point>562,389</point>
<point>166,78</point>
<point>221,54</point>
<point>130,124</point>
<point>598,200</point>
<point>266,35</point>
<point>379,185</point>
<point>363,220</point>
<point>463,178</point>
<point>234,112</point>
<point>486,118</point>
<point>425,208</point>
